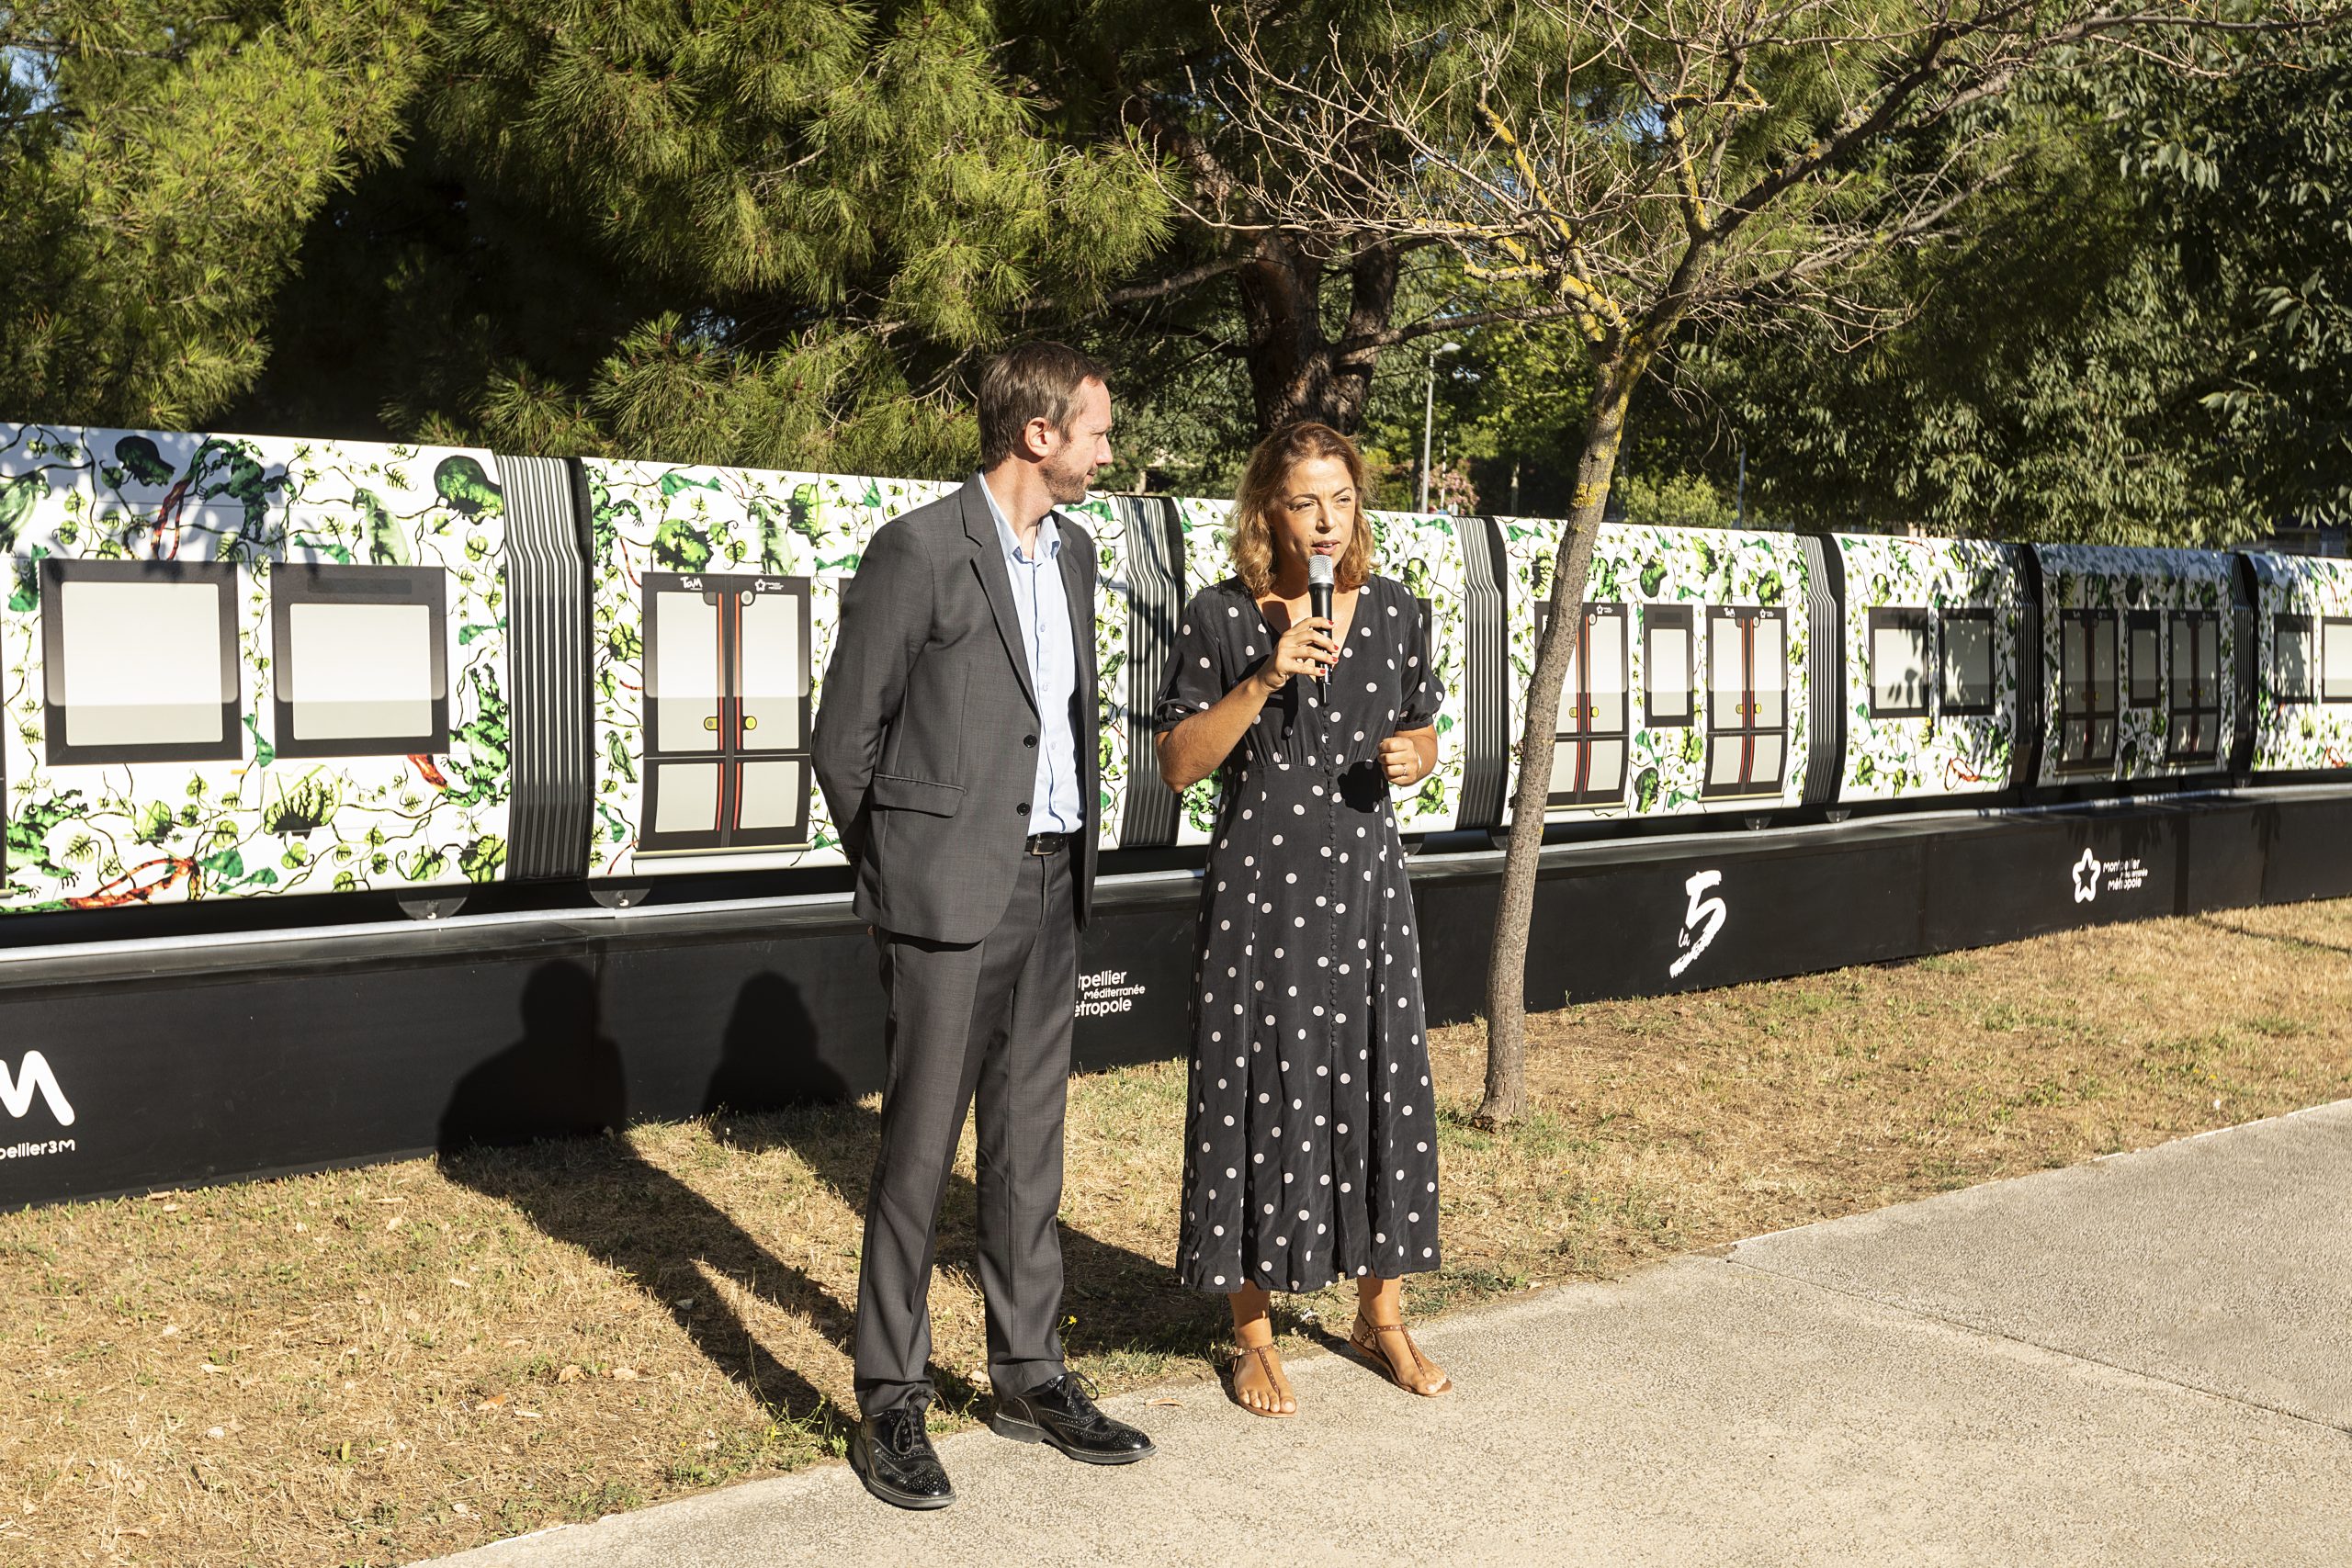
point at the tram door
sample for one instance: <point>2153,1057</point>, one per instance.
<point>2088,689</point>
<point>1747,700</point>
<point>727,676</point>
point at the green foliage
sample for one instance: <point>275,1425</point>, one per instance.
<point>761,234</point>
<point>777,232</point>
<point>162,161</point>
<point>2144,338</point>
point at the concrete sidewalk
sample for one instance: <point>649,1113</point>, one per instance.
<point>2147,1359</point>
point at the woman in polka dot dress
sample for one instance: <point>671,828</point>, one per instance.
<point>1311,1150</point>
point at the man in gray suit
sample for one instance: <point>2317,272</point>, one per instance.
<point>956,745</point>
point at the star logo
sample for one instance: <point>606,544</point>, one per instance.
<point>2087,878</point>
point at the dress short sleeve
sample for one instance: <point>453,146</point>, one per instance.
<point>1424,694</point>
<point>1197,675</point>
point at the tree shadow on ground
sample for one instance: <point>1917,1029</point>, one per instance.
<point>529,1127</point>
<point>2229,927</point>
<point>1121,1301</point>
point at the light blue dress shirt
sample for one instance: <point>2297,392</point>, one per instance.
<point>1055,804</point>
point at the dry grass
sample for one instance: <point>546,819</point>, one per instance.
<point>376,1366</point>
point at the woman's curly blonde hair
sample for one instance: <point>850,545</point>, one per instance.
<point>1265,485</point>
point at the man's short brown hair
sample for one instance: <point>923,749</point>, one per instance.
<point>1030,381</point>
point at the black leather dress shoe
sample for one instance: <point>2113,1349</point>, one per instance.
<point>892,1454</point>
<point>1061,1413</point>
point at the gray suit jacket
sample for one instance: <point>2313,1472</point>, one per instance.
<point>925,742</point>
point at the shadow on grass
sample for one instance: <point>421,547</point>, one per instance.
<point>2229,927</point>
<point>1115,1301</point>
<point>526,1128</point>
<point>557,1090</point>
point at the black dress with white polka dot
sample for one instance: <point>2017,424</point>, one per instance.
<point>1310,1152</point>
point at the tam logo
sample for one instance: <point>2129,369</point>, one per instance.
<point>1706,918</point>
<point>16,1088</point>
<point>2087,878</point>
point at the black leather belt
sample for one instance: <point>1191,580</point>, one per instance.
<point>1046,843</point>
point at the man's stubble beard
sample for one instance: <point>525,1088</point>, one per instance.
<point>1068,486</point>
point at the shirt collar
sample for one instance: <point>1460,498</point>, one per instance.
<point>1050,536</point>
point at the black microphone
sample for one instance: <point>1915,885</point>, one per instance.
<point>1319,603</point>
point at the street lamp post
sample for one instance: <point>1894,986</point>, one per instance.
<point>1429,415</point>
<point>1741,502</point>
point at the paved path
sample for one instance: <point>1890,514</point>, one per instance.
<point>2143,1361</point>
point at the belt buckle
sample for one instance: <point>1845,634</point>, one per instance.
<point>1043,844</point>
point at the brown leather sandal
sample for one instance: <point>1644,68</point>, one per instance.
<point>1364,1339</point>
<point>1270,1365</point>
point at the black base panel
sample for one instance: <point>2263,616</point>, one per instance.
<point>188,1062</point>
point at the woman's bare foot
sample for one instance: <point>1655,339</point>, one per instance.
<point>1392,1348</point>
<point>1259,1385</point>
<point>1379,1335</point>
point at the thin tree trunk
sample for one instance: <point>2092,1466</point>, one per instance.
<point>1506,1100</point>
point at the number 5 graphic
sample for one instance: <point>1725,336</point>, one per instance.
<point>1707,912</point>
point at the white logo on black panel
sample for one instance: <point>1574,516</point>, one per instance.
<point>2087,878</point>
<point>16,1088</point>
<point>2093,876</point>
<point>1706,918</point>
<point>1107,991</point>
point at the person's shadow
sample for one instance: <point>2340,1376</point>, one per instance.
<point>559,1088</point>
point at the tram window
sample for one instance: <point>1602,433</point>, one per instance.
<point>2142,661</point>
<point>2335,660</point>
<point>1723,769</point>
<point>1899,680</point>
<point>2290,665</point>
<point>1726,671</point>
<point>1666,664</point>
<point>685,796</point>
<point>687,691</point>
<point>774,793</point>
<point>1967,663</point>
<point>359,665</point>
<point>2194,731</point>
<point>775,673</point>
<point>1769,706</point>
<point>139,661</point>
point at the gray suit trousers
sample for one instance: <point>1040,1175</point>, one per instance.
<point>990,1018</point>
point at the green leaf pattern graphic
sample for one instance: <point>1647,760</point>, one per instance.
<point>95,836</point>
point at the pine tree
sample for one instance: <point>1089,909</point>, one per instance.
<point>158,164</point>
<point>775,235</point>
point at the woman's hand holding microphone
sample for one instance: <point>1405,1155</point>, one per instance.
<point>1305,649</point>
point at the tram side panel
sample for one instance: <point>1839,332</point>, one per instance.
<point>2139,649</point>
<point>1425,552</point>
<point>716,598</point>
<point>1207,528</point>
<point>241,666</point>
<point>1688,692</point>
<point>1933,630</point>
<point>2303,691</point>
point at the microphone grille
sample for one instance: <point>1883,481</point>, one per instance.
<point>1319,570</point>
